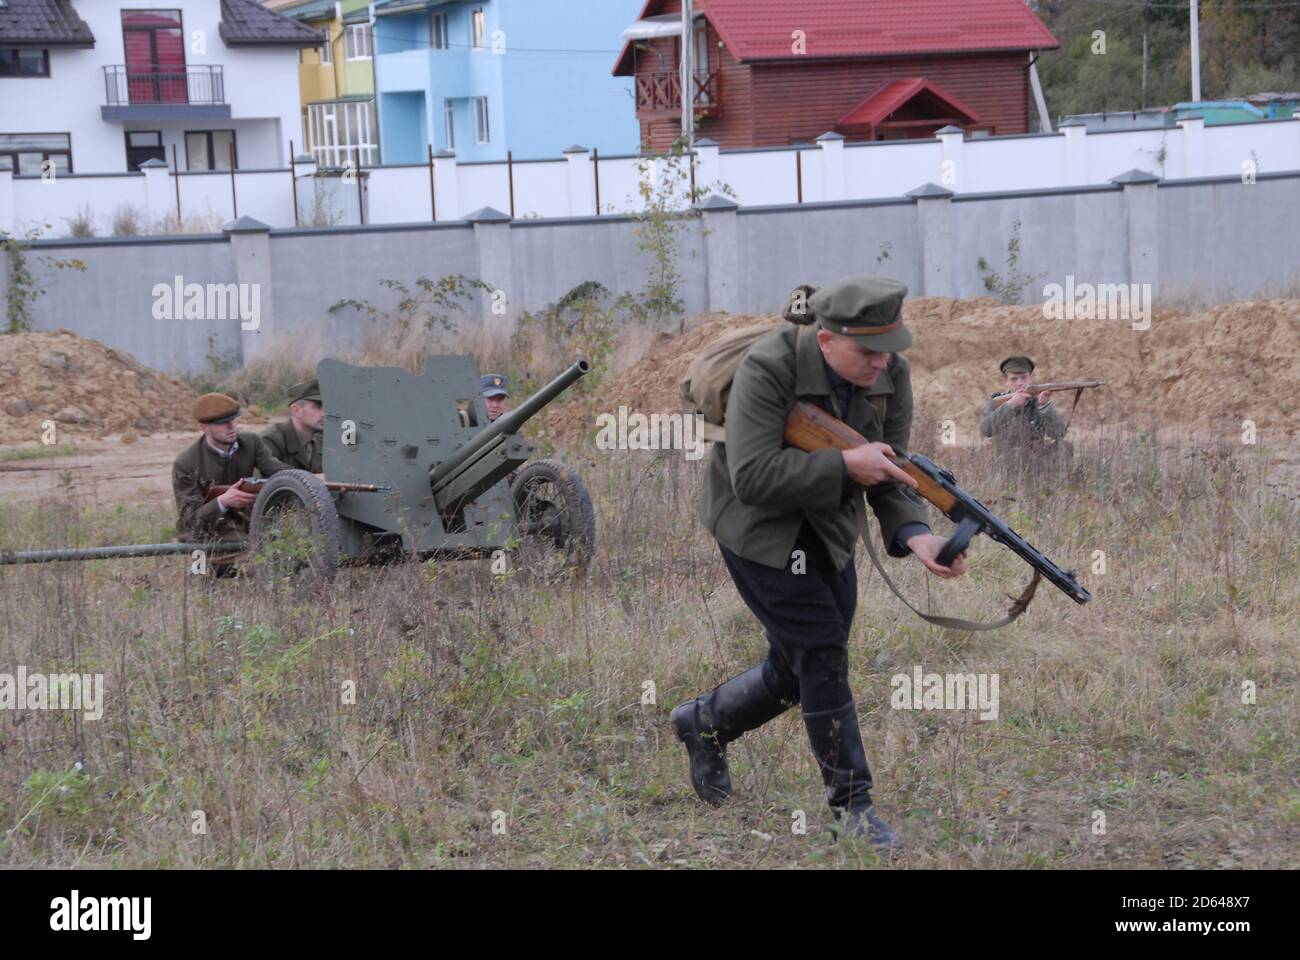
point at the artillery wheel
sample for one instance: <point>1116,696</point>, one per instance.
<point>294,527</point>
<point>554,517</point>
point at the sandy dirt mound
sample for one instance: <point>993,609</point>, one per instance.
<point>1203,370</point>
<point>87,389</point>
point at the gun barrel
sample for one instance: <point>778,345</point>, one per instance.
<point>958,506</point>
<point>124,550</point>
<point>506,424</point>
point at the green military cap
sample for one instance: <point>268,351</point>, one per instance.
<point>868,309</point>
<point>307,390</point>
<point>215,408</point>
<point>1016,365</point>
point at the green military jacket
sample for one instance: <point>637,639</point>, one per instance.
<point>1009,425</point>
<point>285,443</point>
<point>199,467</point>
<point>759,491</point>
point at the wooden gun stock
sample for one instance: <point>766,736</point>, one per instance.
<point>810,428</point>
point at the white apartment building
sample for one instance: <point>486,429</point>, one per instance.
<point>101,86</point>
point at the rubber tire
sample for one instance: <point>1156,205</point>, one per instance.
<point>580,540</point>
<point>315,499</point>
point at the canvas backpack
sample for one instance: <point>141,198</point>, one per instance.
<point>707,383</point>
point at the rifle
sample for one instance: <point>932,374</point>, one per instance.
<point>1002,396</point>
<point>254,484</point>
<point>811,428</point>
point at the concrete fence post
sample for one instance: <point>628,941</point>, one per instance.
<point>719,222</point>
<point>446,185</point>
<point>938,246</point>
<point>582,190</point>
<point>159,190</point>
<point>304,185</point>
<point>1076,152</point>
<point>1142,223</point>
<point>833,183</point>
<point>708,164</point>
<point>1193,128</point>
<point>951,174</point>
<point>250,248</point>
<point>8,204</point>
<point>495,264</point>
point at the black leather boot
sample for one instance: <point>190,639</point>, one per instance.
<point>837,746</point>
<point>707,724</point>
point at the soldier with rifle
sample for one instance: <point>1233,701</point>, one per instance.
<point>222,455</point>
<point>1022,416</point>
<point>787,521</point>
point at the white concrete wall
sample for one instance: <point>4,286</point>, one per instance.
<point>261,86</point>
<point>832,171</point>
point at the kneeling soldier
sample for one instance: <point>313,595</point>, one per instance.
<point>297,441</point>
<point>223,455</point>
<point>765,502</point>
<point>1023,420</point>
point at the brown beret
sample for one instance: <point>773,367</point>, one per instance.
<point>215,408</point>
<point>1016,365</point>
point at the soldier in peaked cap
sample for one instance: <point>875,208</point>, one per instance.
<point>222,455</point>
<point>496,391</point>
<point>298,441</point>
<point>786,522</point>
<point>1023,421</point>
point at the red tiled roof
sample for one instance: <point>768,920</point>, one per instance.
<point>894,94</point>
<point>763,29</point>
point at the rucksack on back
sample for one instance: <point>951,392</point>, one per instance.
<point>707,383</point>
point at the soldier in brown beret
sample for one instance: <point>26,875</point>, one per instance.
<point>222,455</point>
<point>298,441</point>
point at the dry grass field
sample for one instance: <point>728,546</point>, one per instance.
<point>502,722</point>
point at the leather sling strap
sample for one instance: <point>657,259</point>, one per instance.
<point>1018,606</point>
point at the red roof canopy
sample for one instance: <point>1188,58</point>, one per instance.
<point>764,29</point>
<point>872,111</point>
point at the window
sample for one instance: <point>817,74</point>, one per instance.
<point>481,131</point>
<point>339,130</point>
<point>358,42</point>
<point>438,31</point>
<point>209,149</point>
<point>142,145</point>
<point>476,29</point>
<point>449,118</point>
<point>155,56</point>
<point>24,62</point>
<point>25,153</point>
<point>324,54</point>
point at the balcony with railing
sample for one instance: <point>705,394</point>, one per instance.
<point>163,93</point>
<point>660,93</point>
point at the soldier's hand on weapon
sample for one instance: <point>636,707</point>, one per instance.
<point>1045,398</point>
<point>926,546</point>
<point>236,499</point>
<point>869,465</point>
<point>1019,398</point>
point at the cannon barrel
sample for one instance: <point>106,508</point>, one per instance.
<point>506,424</point>
<point>125,550</point>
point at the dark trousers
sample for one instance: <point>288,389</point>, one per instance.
<point>807,618</point>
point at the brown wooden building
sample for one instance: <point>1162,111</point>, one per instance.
<point>774,72</point>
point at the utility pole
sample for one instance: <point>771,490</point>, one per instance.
<point>687,59</point>
<point>1196,54</point>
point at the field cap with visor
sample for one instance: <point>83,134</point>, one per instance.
<point>868,309</point>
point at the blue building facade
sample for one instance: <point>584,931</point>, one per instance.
<point>487,76</point>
